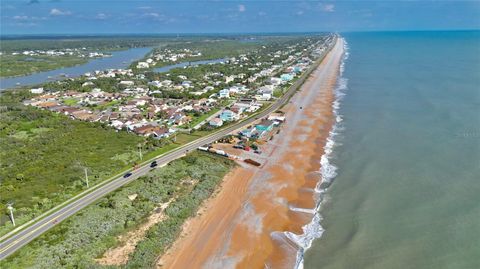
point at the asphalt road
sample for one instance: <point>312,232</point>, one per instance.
<point>23,237</point>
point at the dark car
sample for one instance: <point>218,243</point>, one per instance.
<point>127,175</point>
<point>153,164</point>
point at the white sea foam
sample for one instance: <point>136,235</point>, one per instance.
<point>328,172</point>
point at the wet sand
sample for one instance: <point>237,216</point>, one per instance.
<point>243,225</point>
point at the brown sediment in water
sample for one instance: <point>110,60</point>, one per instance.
<point>242,226</point>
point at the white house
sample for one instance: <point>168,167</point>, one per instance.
<point>117,124</point>
<point>216,122</point>
<point>263,97</point>
<point>143,65</point>
<point>155,83</point>
<point>208,88</point>
<point>166,83</point>
<point>88,83</point>
<point>126,82</point>
<point>275,81</point>
<point>37,90</point>
<point>225,93</point>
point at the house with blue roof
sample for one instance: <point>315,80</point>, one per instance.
<point>265,126</point>
<point>286,77</point>
<point>228,115</point>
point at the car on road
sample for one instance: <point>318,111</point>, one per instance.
<point>127,174</point>
<point>153,164</point>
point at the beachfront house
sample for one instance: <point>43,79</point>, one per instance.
<point>260,130</point>
<point>265,126</point>
<point>249,133</point>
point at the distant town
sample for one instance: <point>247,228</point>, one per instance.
<point>207,101</point>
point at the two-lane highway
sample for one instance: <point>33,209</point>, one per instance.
<point>21,238</point>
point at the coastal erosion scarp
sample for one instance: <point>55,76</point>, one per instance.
<point>257,217</point>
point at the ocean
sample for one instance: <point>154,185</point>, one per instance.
<point>407,154</point>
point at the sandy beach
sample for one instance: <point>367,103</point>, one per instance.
<point>242,225</point>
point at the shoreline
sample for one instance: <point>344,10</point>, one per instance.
<point>247,223</point>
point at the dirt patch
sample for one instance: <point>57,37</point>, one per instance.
<point>119,255</point>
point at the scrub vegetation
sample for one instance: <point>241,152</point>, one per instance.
<point>43,156</point>
<point>16,65</point>
<point>76,242</point>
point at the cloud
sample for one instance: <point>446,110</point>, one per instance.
<point>58,12</point>
<point>328,7</point>
<point>25,21</point>
<point>25,18</point>
<point>20,17</point>
<point>152,15</point>
<point>144,7</point>
<point>101,16</point>
<point>299,13</point>
<point>241,8</point>
<point>262,13</point>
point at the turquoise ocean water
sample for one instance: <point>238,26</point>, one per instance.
<point>407,192</point>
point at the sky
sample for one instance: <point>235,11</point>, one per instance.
<point>160,17</point>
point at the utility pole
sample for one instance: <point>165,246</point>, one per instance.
<point>10,207</point>
<point>140,151</point>
<point>86,175</point>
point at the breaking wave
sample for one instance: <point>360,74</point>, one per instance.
<point>328,172</point>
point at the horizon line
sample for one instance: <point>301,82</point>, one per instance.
<point>222,33</point>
